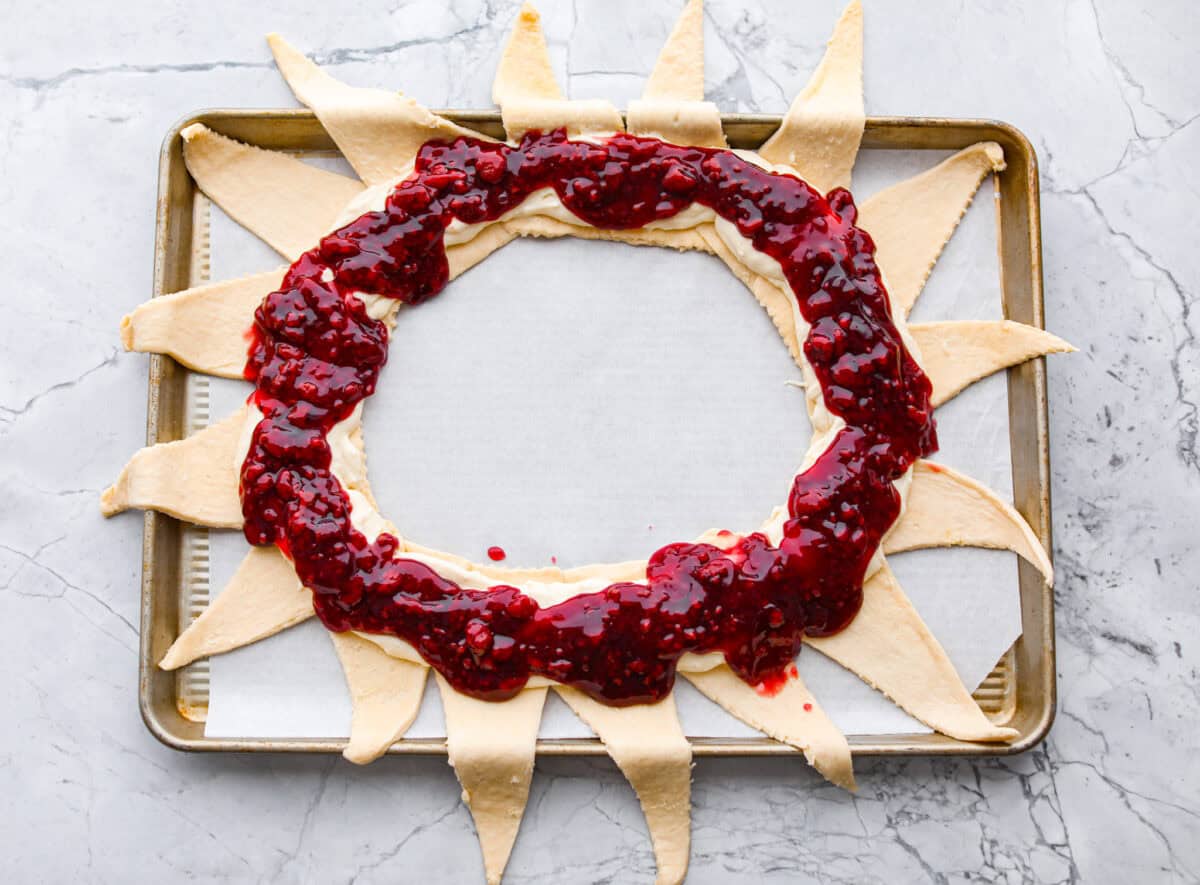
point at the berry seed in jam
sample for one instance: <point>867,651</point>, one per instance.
<point>316,354</point>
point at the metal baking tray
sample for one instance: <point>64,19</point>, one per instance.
<point>1020,692</point>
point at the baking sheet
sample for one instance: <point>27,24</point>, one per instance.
<point>592,401</point>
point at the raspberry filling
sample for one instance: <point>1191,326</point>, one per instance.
<point>316,353</point>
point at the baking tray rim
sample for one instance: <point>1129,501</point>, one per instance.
<point>861,745</point>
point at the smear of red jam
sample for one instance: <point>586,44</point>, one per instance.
<point>773,683</point>
<point>316,354</point>
<point>496,554</point>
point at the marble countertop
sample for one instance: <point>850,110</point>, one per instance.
<point>1110,96</point>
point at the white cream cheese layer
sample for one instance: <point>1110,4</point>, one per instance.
<point>348,461</point>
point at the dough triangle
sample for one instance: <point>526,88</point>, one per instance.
<point>947,509</point>
<point>679,71</point>
<point>888,646</point>
<point>378,131</point>
<point>792,716</point>
<point>672,106</point>
<point>823,128</point>
<point>957,353</point>
<point>385,693</point>
<point>528,92</point>
<point>205,327</point>
<point>524,71</point>
<point>287,203</point>
<point>648,745</point>
<point>264,597</point>
<point>912,221</point>
<point>194,479</point>
<point>491,747</point>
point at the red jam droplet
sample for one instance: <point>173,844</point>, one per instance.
<point>496,554</point>
<point>316,353</point>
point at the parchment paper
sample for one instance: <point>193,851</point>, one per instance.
<point>578,401</point>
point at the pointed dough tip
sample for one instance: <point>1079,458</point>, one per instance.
<point>524,72</point>
<point>172,660</point>
<point>1002,734</point>
<point>527,18</point>
<point>112,500</point>
<point>1062,345</point>
<point>304,77</point>
<point>995,153</point>
<point>678,73</point>
<point>286,55</point>
<point>838,777</point>
<point>127,331</point>
<point>848,25</point>
<point>195,130</point>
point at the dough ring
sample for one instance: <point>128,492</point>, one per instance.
<point>728,612</point>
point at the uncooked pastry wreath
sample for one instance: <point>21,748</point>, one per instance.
<point>728,611</point>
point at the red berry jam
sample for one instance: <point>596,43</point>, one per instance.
<point>316,354</point>
<point>496,554</point>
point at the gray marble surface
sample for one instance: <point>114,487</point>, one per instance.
<point>1108,91</point>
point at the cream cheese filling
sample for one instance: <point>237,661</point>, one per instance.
<point>348,458</point>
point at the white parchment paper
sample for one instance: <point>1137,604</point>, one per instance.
<point>575,401</point>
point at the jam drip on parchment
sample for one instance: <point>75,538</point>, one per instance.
<point>316,354</point>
